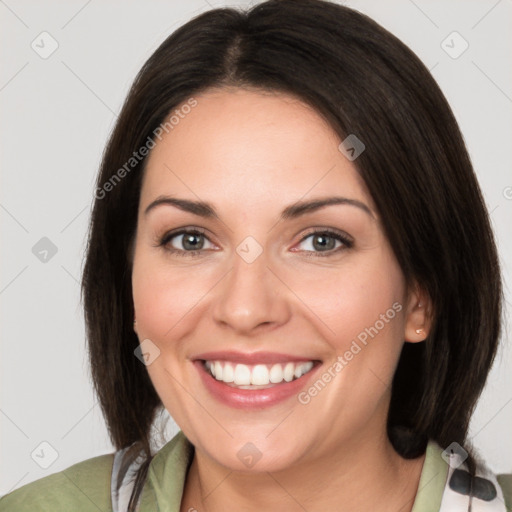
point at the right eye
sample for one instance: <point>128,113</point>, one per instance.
<point>192,241</point>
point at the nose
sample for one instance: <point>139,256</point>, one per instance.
<point>251,297</point>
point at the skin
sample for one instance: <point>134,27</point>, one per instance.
<point>251,154</point>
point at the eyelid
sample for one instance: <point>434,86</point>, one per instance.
<point>169,235</point>
<point>346,240</point>
<point>329,231</point>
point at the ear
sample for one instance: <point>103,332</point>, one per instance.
<point>135,325</point>
<point>418,320</point>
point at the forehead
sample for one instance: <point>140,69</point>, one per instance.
<point>238,145</point>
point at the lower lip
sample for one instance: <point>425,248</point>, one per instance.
<point>252,398</point>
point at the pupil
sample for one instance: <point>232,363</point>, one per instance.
<point>189,239</point>
<point>322,244</point>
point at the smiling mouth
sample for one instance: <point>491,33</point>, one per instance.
<point>258,376</point>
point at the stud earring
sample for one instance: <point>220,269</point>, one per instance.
<point>419,331</point>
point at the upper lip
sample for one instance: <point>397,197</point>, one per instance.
<point>250,358</point>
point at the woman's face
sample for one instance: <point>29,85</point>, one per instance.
<point>268,294</point>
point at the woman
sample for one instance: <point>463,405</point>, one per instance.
<point>290,253</point>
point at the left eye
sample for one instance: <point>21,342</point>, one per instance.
<point>325,241</point>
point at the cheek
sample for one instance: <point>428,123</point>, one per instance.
<point>165,295</point>
<point>166,300</point>
<point>355,302</point>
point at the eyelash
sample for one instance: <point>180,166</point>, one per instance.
<point>344,239</point>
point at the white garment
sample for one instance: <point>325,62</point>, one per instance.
<point>124,472</point>
<point>487,493</point>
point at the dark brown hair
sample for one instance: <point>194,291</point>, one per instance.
<point>363,81</point>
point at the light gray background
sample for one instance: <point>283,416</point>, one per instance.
<point>56,116</point>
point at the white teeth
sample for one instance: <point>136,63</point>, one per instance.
<point>306,367</point>
<point>276,374</point>
<point>288,372</point>
<point>228,374</point>
<point>257,375</point>
<point>242,375</point>
<point>218,370</point>
<point>301,369</point>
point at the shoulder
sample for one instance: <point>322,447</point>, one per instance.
<point>487,491</point>
<point>446,485</point>
<point>83,486</point>
<point>505,481</point>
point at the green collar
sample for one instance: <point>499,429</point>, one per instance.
<point>432,480</point>
<point>166,476</point>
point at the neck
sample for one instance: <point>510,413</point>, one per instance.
<point>362,475</point>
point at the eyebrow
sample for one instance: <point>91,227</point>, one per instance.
<point>206,210</point>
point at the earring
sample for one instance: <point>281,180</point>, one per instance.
<point>419,331</point>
